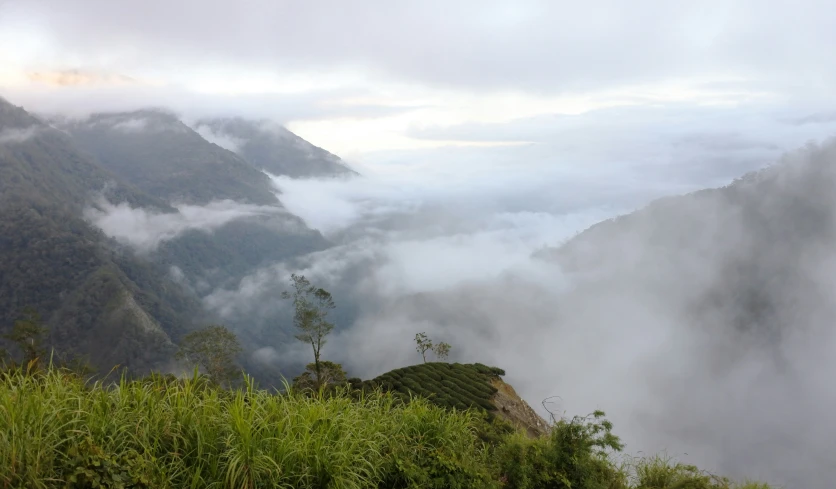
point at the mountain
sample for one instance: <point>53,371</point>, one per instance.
<point>753,256</point>
<point>156,152</point>
<point>99,300</point>
<point>272,148</point>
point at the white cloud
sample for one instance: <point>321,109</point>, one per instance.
<point>18,135</point>
<point>146,229</point>
<point>223,140</point>
<point>449,252</point>
<point>131,125</point>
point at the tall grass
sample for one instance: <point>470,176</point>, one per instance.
<point>56,431</point>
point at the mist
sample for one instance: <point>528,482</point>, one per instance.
<point>466,262</point>
<point>14,135</point>
<point>145,229</point>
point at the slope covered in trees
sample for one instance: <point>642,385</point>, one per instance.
<point>273,148</point>
<point>98,299</point>
<point>754,256</point>
<point>158,153</point>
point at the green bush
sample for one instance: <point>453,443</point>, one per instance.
<point>576,455</point>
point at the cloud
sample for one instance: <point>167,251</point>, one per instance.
<point>455,255</point>
<point>131,125</point>
<point>18,135</point>
<point>223,140</point>
<point>79,77</point>
<point>529,45</point>
<point>145,229</point>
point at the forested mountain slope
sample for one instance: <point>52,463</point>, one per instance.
<point>155,151</point>
<point>99,301</point>
<point>756,255</point>
<point>273,148</point>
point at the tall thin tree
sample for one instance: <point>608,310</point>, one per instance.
<point>422,345</point>
<point>311,305</point>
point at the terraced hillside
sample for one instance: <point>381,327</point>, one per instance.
<point>463,386</point>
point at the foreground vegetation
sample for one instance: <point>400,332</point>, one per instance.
<point>58,431</point>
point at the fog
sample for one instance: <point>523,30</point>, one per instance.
<point>13,135</point>
<point>451,242</point>
<point>454,257</point>
<point>145,229</point>
<point>487,137</point>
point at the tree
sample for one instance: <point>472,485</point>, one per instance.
<point>442,350</point>
<point>422,345</point>
<point>311,306</point>
<point>331,374</point>
<point>28,334</point>
<point>214,348</point>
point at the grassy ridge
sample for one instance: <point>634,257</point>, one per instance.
<point>56,431</point>
<point>449,385</point>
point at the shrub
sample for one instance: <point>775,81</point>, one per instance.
<point>575,455</point>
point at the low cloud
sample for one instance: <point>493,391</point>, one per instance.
<point>19,135</point>
<point>131,125</point>
<point>457,257</point>
<point>225,141</point>
<point>146,229</point>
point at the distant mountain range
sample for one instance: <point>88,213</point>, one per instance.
<point>746,256</point>
<point>101,298</point>
<point>272,148</point>
<point>753,258</point>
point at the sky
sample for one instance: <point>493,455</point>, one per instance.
<point>484,131</point>
<point>374,75</point>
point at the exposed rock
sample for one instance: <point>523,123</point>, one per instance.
<point>512,408</point>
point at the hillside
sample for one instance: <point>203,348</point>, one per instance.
<point>99,300</point>
<point>156,152</point>
<point>756,253</point>
<point>463,386</point>
<point>272,148</point>
<point>159,154</point>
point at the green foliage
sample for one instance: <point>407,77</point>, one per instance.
<point>88,466</point>
<point>169,160</point>
<point>661,472</point>
<point>162,432</point>
<point>442,350</point>
<point>423,344</point>
<point>28,335</point>
<point>574,455</point>
<point>456,385</point>
<point>214,349</point>
<point>332,376</point>
<point>311,306</point>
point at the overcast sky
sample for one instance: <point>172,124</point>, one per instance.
<point>361,77</point>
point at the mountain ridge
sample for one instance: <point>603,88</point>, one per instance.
<point>273,148</point>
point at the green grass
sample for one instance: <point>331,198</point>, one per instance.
<point>57,431</point>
